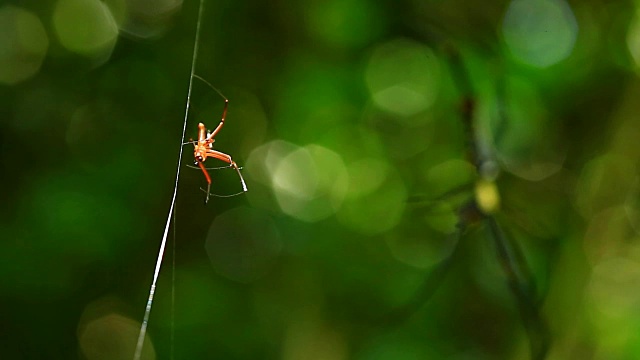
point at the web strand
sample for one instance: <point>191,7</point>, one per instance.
<point>173,288</point>
<point>145,321</point>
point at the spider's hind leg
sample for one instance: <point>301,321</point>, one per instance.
<point>227,158</point>
<point>206,200</point>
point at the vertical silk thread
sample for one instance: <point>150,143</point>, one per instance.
<point>152,290</point>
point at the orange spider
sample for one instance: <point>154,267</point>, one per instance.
<point>203,148</point>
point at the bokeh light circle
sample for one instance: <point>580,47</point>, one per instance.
<point>263,160</point>
<point>85,27</point>
<point>605,181</point>
<point>144,19</point>
<point>23,44</point>
<point>540,33</point>
<point>607,233</point>
<point>403,77</point>
<point>632,205</point>
<point>297,175</point>
<point>260,167</point>
<point>364,176</point>
<point>310,183</point>
<point>633,39</point>
<point>613,300</point>
<point>104,333</point>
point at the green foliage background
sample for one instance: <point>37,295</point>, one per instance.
<point>90,144</point>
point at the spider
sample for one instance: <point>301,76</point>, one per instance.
<point>203,147</point>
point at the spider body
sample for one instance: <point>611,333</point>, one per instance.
<point>203,149</point>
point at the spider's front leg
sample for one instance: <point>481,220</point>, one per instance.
<point>219,127</point>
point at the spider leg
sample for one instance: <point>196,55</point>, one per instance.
<point>227,158</point>
<point>209,137</point>
<point>206,175</point>
<point>224,116</point>
<point>202,133</point>
<point>214,168</point>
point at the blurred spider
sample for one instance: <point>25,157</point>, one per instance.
<point>482,208</point>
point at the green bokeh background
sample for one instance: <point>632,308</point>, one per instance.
<point>341,113</point>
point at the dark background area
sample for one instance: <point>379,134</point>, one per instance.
<point>359,125</point>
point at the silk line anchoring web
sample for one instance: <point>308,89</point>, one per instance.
<point>152,290</point>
